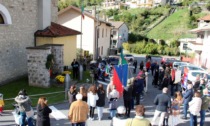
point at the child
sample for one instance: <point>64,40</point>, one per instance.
<point>175,107</point>
<point>1,103</point>
<point>113,97</point>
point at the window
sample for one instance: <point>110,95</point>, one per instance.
<point>1,19</point>
<point>98,33</point>
<point>98,50</point>
<point>5,17</point>
<point>102,33</point>
<point>185,46</point>
<point>114,32</point>
<point>102,50</point>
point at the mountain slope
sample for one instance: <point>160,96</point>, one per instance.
<point>173,27</point>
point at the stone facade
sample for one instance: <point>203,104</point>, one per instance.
<point>38,74</point>
<point>16,37</point>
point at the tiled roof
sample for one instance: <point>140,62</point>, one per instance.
<point>205,18</point>
<point>56,30</point>
<point>117,24</point>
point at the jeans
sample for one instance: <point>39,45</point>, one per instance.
<point>162,116</point>
<point>112,113</point>
<point>23,120</point>
<point>78,124</point>
<point>202,116</point>
<point>185,110</point>
<point>100,112</point>
<point>193,120</point>
<point>92,111</point>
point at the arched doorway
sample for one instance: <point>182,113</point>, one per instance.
<point>5,17</point>
<point>1,19</point>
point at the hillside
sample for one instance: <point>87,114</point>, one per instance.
<point>173,27</point>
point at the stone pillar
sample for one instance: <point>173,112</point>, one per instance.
<point>38,74</point>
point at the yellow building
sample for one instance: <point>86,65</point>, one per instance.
<point>58,34</point>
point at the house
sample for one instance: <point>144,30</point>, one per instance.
<point>19,19</point>
<point>139,3</point>
<point>58,34</point>
<point>95,36</point>
<point>203,37</point>
<point>111,4</point>
<point>120,34</point>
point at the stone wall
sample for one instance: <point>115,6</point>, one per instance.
<point>38,74</point>
<point>16,37</point>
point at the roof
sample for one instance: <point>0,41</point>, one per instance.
<point>117,24</point>
<point>205,18</point>
<point>56,30</point>
<point>195,43</point>
<point>85,13</point>
<point>204,28</point>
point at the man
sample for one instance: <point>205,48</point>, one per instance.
<point>204,106</point>
<point>127,96</point>
<point>24,105</point>
<point>78,112</point>
<point>163,103</point>
<point>138,88</point>
<point>187,96</point>
<point>139,119</point>
<point>153,66</point>
<point>121,118</point>
<point>75,67</point>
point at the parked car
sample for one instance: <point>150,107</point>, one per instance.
<point>190,67</point>
<point>129,57</point>
<point>113,59</point>
<point>191,76</point>
<point>165,59</point>
<point>178,64</point>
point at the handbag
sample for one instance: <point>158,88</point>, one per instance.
<point>113,104</point>
<point>30,113</point>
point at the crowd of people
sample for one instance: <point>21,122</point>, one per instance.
<point>83,101</point>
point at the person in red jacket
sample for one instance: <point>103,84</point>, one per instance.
<point>148,64</point>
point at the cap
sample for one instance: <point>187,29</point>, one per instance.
<point>121,110</point>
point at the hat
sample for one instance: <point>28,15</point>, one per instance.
<point>121,110</point>
<point>79,96</point>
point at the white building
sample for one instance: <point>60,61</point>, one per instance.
<point>203,36</point>
<point>92,38</point>
<point>120,34</point>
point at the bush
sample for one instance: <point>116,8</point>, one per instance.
<point>208,6</point>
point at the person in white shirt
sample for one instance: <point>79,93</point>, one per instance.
<point>92,98</point>
<point>121,118</point>
<point>194,108</point>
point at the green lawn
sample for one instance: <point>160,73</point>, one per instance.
<point>172,27</point>
<point>11,90</point>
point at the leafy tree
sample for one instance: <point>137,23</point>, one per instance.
<point>208,6</point>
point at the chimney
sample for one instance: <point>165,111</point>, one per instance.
<point>44,14</point>
<point>94,11</point>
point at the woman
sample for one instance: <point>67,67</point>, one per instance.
<point>194,108</point>
<point>83,91</point>
<point>175,107</point>
<point>113,99</point>
<point>72,94</point>
<point>100,103</point>
<point>92,98</point>
<point>43,112</point>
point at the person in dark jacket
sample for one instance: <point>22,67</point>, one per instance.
<point>135,66</point>
<point>100,103</point>
<point>187,96</point>
<point>127,97</point>
<point>165,81</point>
<point>72,94</point>
<point>141,65</point>
<point>163,104</point>
<point>196,85</point>
<point>75,67</point>
<point>43,112</point>
<point>138,88</point>
<point>153,66</point>
<point>155,79</point>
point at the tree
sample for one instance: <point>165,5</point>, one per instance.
<point>208,6</point>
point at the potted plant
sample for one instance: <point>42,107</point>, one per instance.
<point>49,63</point>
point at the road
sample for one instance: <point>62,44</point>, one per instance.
<point>8,120</point>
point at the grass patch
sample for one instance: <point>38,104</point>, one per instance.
<point>172,27</point>
<point>11,90</point>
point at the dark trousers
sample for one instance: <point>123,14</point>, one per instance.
<point>92,111</point>
<point>134,70</point>
<point>78,124</point>
<point>137,98</point>
<point>193,120</point>
<point>174,88</point>
<point>127,104</point>
<point>152,71</point>
<point>75,73</point>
